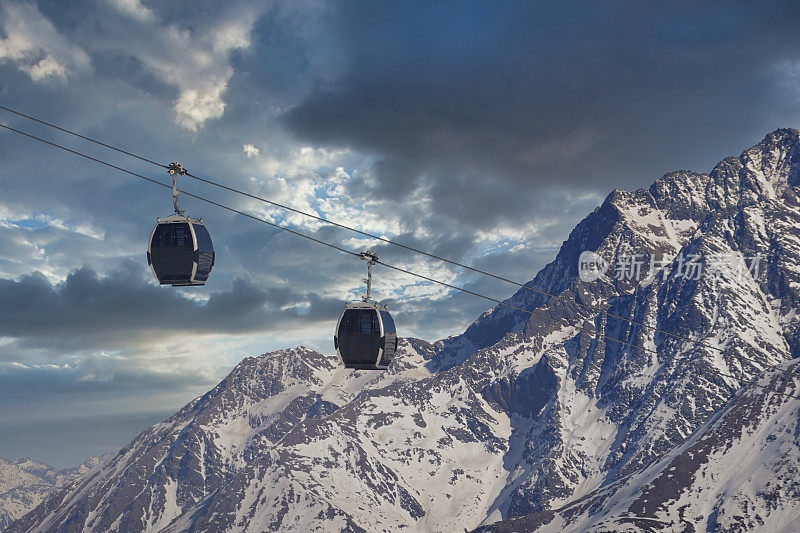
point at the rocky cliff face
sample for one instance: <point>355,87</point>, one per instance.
<point>520,416</point>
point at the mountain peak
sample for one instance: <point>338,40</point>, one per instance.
<point>782,137</point>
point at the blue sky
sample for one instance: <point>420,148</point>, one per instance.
<point>481,131</point>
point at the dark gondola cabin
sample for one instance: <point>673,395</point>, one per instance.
<point>365,337</point>
<point>180,251</point>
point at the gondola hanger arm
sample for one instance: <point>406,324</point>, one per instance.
<point>371,258</point>
<point>175,169</point>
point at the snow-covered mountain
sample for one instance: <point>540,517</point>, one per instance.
<point>524,421</point>
<point>25,483</point>
<point>739,472</point>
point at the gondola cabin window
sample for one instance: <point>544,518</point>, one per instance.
<point>367,323</point>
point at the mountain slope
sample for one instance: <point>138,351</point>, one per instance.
<point>739,472</point>
<point>519,415</point>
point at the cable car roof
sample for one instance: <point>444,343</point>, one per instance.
<point>172,219</point>
<point>370,304</point>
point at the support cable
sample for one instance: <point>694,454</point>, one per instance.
<point>535,312</point>
<point>344,250</point>
<point>373,236</point>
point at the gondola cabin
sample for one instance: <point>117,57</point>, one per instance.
<point>365,338</point>
<point>180,251</point>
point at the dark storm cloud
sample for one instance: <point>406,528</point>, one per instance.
<point>490,102</point>
<point>88,311</point>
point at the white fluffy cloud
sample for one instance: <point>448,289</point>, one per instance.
<point>250,150</point>
<point>134,9</point>
<point>34,45</point>
<point>195,61</point>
